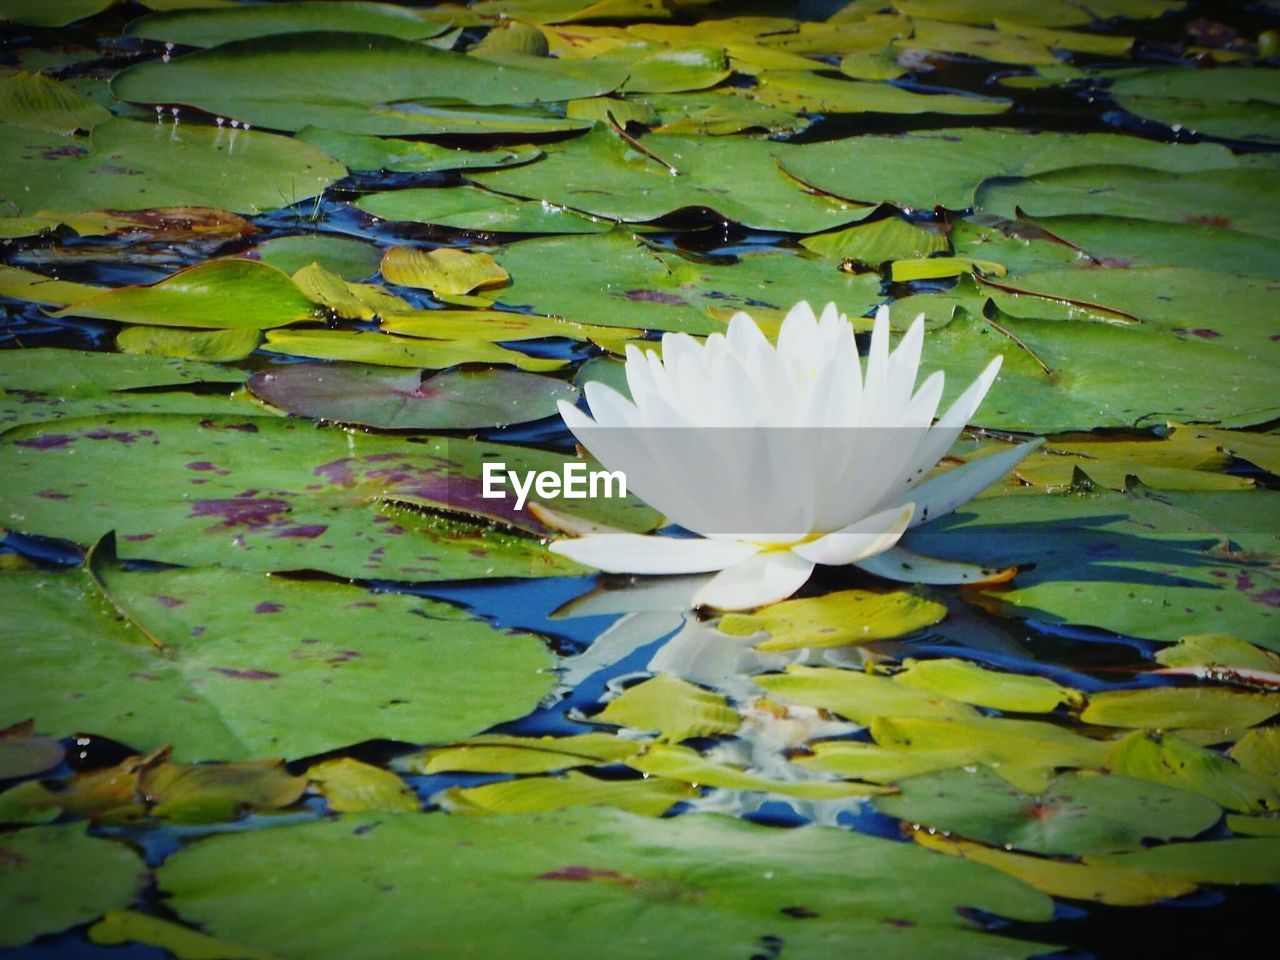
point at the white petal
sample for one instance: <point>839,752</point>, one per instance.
<point>865,538</point>
<point>635,553</point>
<point>764,578</point>
<point>940,495</point>
<point>877,376</point>
<point>900,564</point>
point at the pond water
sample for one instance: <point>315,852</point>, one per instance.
<point>275,683</point>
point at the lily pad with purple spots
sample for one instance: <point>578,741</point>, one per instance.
<point>406,400</point>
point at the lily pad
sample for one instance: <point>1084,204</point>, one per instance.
<point>835,619</point>
<point>1255,860</point>
<point>616,280</point>
<point>604,175</point>
<point>1239,103</point>
<point>470,208</point>
<point>740,876</point>
<point>671,707</point>
<point>495,753</point>
<point>205,662</point>
<point>410,156</point>
<point>804,90</point>
<point>217,346</point>
<point>52,878</point>
<point>268,81</point>
<point>650,797</point>
<point>211,27</point>
<point>948,165</point>
<point>398,400</point>
<point>270,494</point>
<point>1076,814</point>
<point>1150,565</point>
<point>444,271</point>
<point>346,257</point>
<point>391,351</point>
<point>38,102</point>
<point>861,697</point>
<point>1171,760</point>
<point>222,294</point>
<point>994,689</point>
<point>350,786</point>
<point>891,238</point>
<point>130,165</point>
<point>35,13</point>
<point>1174,708</point>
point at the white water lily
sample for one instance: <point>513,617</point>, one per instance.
<point>793,442</point>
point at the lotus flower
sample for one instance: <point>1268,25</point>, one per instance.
<point>781,458</point>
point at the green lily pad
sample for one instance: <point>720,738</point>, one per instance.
<point>1209,861</point>
<point>604,175</point>
<point>210,27</point>
<point>390,351</point>
<point>615,280</point>
<point>859,696</point>
<point>268,81</point>
<point>835,619</point>
<point>1243,199</point>
<point>1236,102</point>
<point>52,878</point>
<point>19,284</point>
<point>45,384</point>
<point>687,765</point>
<point>131,165</point>
<point>1171,760</point>
<point>1048,13</point>
<point>38,102</point>
<point>1149,565</point>
<point>217,661</point>
<point>128,926</point>
<point>677,69</point>
<point>410,156</point>
<point>650,797</point>
<point>996,45</point>
<point>1076,814</point>
<point>39,13</point>
<point>217,346</point>
<point>509,874</point>
<point>1218,650</point>
<point>804,90</point>
<point>719,113</point>
<point>470,208</point>
<point>399,400</point>
<point>222,294</point>
<point>1175,708</point>
<point>23,753</point>
<point>947,165</point>
<point>877,242</point>
<point>345,257</point>
<point>995,689</point>
<point>1257,752</point>
<point>671,707</point>
<point>205,792</point>
<point>495,753</point>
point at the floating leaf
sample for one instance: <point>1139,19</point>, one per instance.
<point>19,284</point>
<point>217,791</point>
<point>1075,814</point>
<point>222,294</point>
<point>1209,861</point>
<point>835,619</point>
<point>470,208</point>
<point>40,13</point>
<point>128,926</point>
<point>410,156</point>
<point>947,165</point>
<point>39,102</point>
<point>322,499</point>
<point>23,753</point>
<point>650,797</point>
<point>615,280</point>
<point>1173,708</point>
<point>207,346</point>
<point>159,165</point>
<point>672,708</point>
<point>494,753</point>
<point>1258,752</point>
<point>677,69</point>
<point>594,867</point>
<point>1175,762</point>
<point>640,180</point>
<point>359,663</point>
<point>350,786</point>
<point>399,400</point>
<point>1247,200</point>
<point>689,766</point>
<point>1240,102</point>
<point>502,326</point>
<point>862,697</point>
<point>996,45</point>
<point>52,878</point>
<point>1218,650</point>
<point>211,27</point>
<point>877,242</point>
<point>1101,882</point>
<point>268,81</point>
<point>995,689</point>
<point>443,270</point>
<point>807,91</point>
<point>44,384</point>
<point>346,257</point>
<point>390,351</point>
<point>109,794</point>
